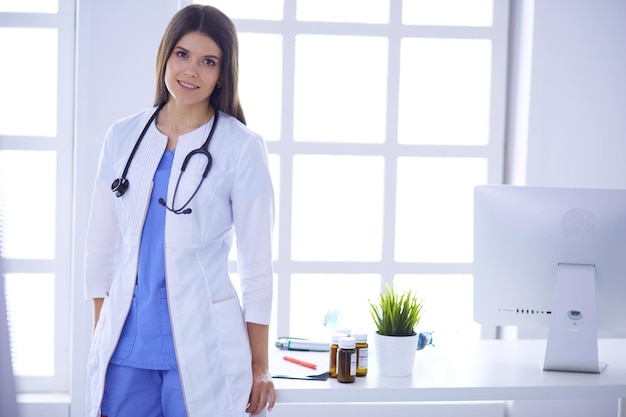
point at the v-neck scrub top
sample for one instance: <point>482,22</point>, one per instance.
<point>146,339</point>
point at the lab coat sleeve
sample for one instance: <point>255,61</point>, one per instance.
<point>253,216</point>
<point>103,233</point>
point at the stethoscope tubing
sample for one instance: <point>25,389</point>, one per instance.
<point>120,185</point>
<point>140,139</point>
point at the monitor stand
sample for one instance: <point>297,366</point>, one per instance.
<point>573,334</point>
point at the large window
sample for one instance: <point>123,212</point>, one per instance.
<point>36,110</point>
<point>381,116</point>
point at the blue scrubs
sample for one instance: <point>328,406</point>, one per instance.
<point>133,392</point>
<point>145,352</point>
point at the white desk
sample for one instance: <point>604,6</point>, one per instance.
<point>482,371</point>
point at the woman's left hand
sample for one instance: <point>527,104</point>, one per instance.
<point>263,392</point>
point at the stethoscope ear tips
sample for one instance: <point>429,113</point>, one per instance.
<point>119,186</point>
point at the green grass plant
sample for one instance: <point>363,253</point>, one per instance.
<point>396,313</point>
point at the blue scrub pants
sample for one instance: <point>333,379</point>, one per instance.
<point>133,392</point>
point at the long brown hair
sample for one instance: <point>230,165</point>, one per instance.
<point>211,22</point>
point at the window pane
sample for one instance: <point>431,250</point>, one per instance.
<point>448,306</point>
<point>322,302</point>
<point>447,12</point>
<point>29,6</point>
<point>28,57</point>
<point>337,208</point>
<point>29,186</point>
<point>340,82</point>
<point>358,11</point>
<point>30,310</point>
<point>434,211</point>
<point>445,87</point>
<point>260,82</point>
<point>248,9</point>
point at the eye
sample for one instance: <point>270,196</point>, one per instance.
<point>210,62</point>
<point>181,54</point>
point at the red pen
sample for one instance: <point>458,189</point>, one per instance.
<point>300,362</point>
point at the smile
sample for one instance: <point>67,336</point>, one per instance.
<point>186,85</point>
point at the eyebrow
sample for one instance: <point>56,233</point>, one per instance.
<point>206,56</point>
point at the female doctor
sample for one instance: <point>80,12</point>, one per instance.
<point>174,184</point>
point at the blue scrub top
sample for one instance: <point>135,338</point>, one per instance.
<point>146,341</point>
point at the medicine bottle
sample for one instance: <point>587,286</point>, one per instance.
<point>361,353</point>
<point>334,345</point>
<point>346,359</point>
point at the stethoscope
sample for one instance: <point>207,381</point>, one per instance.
<point>120,185</point>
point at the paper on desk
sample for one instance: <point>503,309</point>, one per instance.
<point>287,370</point>
<point>317,377</point>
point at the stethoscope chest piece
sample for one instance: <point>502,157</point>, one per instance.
<point>119,186</point>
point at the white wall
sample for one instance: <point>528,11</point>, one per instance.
<point>568,117</point>
<point>117,42</point>
<point>577,117</point>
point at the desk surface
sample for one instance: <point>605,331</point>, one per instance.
<point>481,371</point>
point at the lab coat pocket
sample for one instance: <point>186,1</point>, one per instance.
<point>233,344</point>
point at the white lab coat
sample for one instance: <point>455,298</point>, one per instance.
<point>208,323</point>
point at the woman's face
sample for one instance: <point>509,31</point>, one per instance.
<point>193,69</point>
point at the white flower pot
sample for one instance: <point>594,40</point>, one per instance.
<point>395,355</point>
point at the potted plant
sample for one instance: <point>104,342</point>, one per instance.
<point>396,315</point>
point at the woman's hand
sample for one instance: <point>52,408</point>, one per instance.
<point>262,393</point>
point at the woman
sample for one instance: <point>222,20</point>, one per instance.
<point>170,336</point>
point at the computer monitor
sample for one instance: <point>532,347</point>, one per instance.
<point>555,258</point>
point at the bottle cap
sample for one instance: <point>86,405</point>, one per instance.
<point>360,337</point>
<point>334,338</point>
<point>347,342</point>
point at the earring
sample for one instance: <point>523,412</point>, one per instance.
<point>218,85</point>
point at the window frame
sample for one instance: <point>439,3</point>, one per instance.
<point>62,144</point>
<point>286,148</point>
<point>64,264</point>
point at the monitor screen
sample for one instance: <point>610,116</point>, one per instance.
<point>555,258</point>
